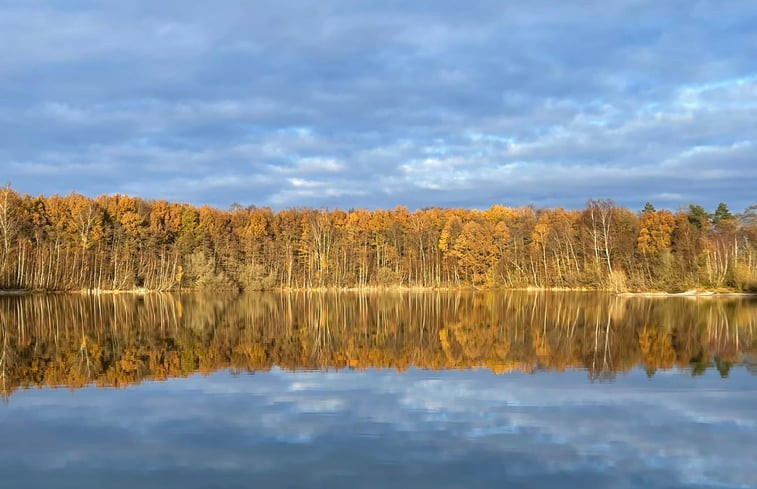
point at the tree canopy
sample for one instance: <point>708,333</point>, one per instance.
<point>118,242</point>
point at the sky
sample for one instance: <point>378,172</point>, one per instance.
<point>378,428</point>
<point>376,104</point>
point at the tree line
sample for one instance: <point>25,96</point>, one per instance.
<point>115,340</point>
<point>118,242</point>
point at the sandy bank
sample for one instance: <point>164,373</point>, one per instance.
<point>689,293</point>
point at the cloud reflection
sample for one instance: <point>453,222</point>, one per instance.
<point>380,428</point>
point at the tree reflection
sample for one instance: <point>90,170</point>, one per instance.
<point>116,340</point>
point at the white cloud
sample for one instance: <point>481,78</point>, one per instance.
<point>527,103</point>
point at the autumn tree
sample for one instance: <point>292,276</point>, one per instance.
<point>8,224</point>
<point>119,242</point>
<point>654,243</point>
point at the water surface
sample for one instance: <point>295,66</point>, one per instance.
<point>379,390</point>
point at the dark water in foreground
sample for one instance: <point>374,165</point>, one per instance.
<point>406,390</point>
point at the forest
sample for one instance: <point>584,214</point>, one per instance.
<point>118,242</point>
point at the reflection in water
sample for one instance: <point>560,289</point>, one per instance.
<point>114,340</point>
<point>440,424</point>
<point>377,429</point>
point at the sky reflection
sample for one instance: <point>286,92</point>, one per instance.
<point>377,428</point>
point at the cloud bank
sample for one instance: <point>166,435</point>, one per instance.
<point>351,104</point>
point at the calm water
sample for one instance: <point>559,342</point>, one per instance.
<point>382,390</point>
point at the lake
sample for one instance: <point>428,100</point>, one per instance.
<point>411,389</point>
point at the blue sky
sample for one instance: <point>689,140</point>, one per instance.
<point>374,104</point>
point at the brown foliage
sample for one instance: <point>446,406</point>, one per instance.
<point>121,242</point>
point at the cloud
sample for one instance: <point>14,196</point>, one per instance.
<point>380,105</point>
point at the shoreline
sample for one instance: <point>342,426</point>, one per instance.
<point>689,293</point>
<point>404,289</point>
